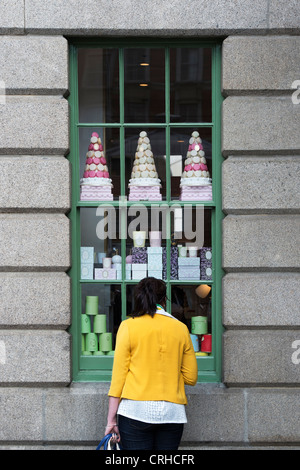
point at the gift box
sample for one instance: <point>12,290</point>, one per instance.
<point>139,255</point>
<point>87,254</point>
<point>206,272</point>
<point>118,268</point>
<point>191,262</point>
<point>139,271</point>
<point>173,263</point>
<point>205,254</point>
<point>128,271</point>
<point>157,273</point>
<point>188,272</point>
<point>154,261</point>
<point>153,250</point>
<point>86,270</point>
<point>105,273</point>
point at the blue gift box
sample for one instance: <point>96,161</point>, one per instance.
<point>190,272</point>
<point>155,261</point>
<point>87,271</point>
<point>87,254</point>
<point>189,262</point>
<point>139,271</point>
<point>152,250</point>
<point>157,273</point>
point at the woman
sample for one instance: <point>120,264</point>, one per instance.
<point>154,358</point>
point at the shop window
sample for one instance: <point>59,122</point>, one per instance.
<point>146,199</point>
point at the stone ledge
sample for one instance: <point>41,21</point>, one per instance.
<point>29,300</point>
<point>259,63</point>
<point>260,125</point>
<point>260,358</point>
<point>34,125</point>
<point>261,300</point>
<point>34,64</point>
<point>261,243</point>
<point>218,418</point>
<point>272,187</point>
<point>45,242</point>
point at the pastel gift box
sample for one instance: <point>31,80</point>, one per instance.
<point>189,273</point>
<point>157,273</point>
<point>139,255</point>
<point>86,270</point>
<point>205,254</point>
<point>174,263</point>
<point>87,254</point>
<point>128,271</point>
<point>184,262</point>
<point>153,250</point>
<point>206,272</point>
<point>118,268</point>
<point>139,271</point>
<point>154,261</point>
<point>103,273</point>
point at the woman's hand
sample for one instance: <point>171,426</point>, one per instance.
<point>113,429</point>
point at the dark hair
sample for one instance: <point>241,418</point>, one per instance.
<point>148,293</point>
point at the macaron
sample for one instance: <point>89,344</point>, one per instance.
<point>89,161</point>
<point>91,147</point>
<point>103,160</point>
<point>105,174</point>
<point>96,161</point>
<point>94,140</point>
<point>95,134</point>
<point>96,147</point>
<point>99,174</point>
<point>197,166</point>
<point>86,174</point>
<point>92,174</point>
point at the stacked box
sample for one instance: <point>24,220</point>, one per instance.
<point>173,263</point>
<point>206,263</point>
<point>139,255</point>
<point>128,271</point>
<point>118,268</point>
<point>189,268</point>
<point>87,262</point>
<point>105,273</point>
<point>139,270</point>
<point>155,262</point>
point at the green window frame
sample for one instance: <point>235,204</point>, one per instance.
<point>94,368</point>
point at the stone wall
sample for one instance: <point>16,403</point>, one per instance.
<point>257,403</point>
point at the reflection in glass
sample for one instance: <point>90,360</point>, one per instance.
<point>101,313</point>
<point>110,139</point>
<point>190,85</point>
<point>195,311</point>
<point>144,86</point>
<point>148,163</point>
<point>181,151</point>
<point>98,85</point>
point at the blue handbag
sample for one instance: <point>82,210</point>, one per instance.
<point>107,445</point>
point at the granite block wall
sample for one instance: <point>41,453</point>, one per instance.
<point>257,402</point>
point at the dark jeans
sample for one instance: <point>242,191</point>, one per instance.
<point>137,435</point>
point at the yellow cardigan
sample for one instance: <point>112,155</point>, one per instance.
<point>154,358</point>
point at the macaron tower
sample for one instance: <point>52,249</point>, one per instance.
<point>195,182</point>
<point>144,184</point>
<point>95,184</point>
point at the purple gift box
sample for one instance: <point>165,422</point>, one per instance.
<point>139,255</point>
<point>173,263</point>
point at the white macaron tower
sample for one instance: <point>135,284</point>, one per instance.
<point>195,182</point>
<point>144,184</point>
<point>96,184</point>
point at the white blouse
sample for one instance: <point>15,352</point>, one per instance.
<point>155,412</point>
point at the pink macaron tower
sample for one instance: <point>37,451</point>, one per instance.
<point>95,184</point>
<point>144,184</point>
<point>195,182</point>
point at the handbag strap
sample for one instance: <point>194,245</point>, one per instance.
<point>105,442</point>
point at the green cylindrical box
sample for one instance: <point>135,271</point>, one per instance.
<point>99,324</point>
<point>85,323</point>
<point>91,342</point>
<point>110,353</point>
<point>199,325</point>
<point>105,342</point>
<point>91,305</point>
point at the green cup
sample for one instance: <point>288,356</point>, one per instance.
<point>105,342</point>
<point>99,324</point>
<point>199,325</point>
<point>85,323</point>
<point>91,305</point>
<point>91,342</point>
